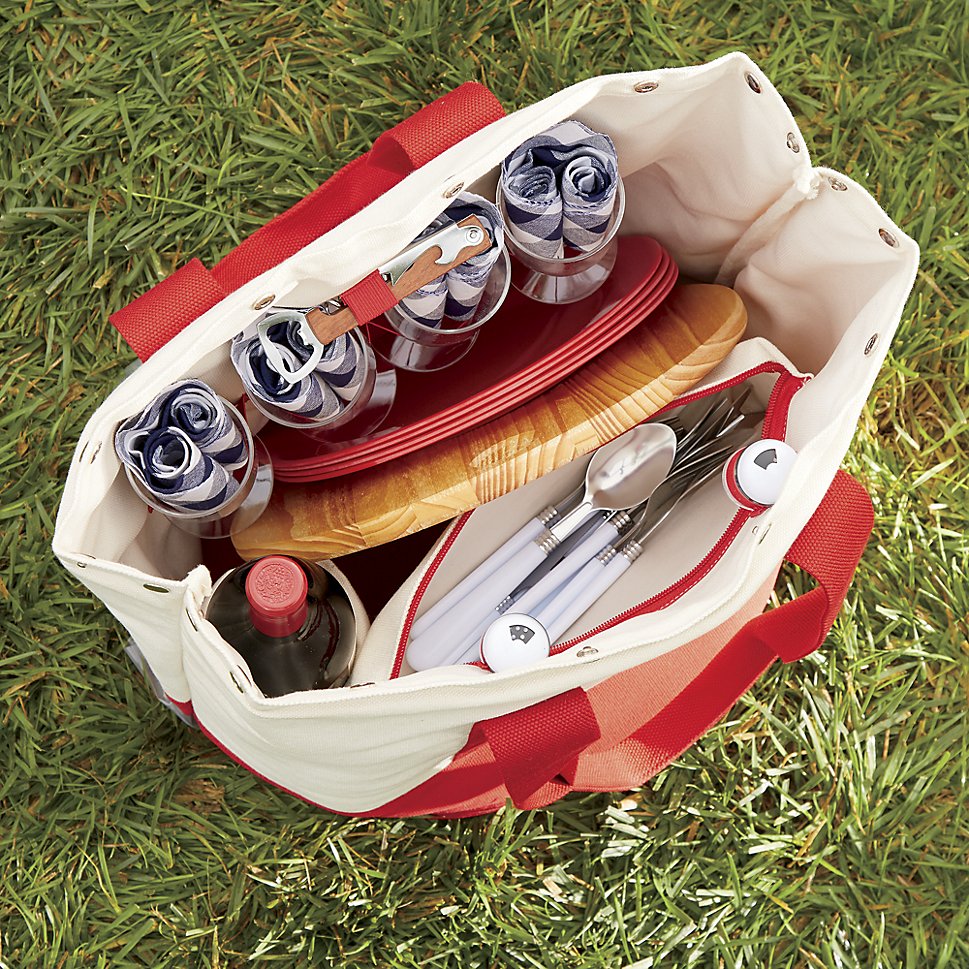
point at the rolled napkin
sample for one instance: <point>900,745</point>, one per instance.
<point>456,294</point>
<point>183,447</point>
<point>320,395</point>
<point>559,189</point>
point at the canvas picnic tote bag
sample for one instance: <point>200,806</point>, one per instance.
<point>715,168</point>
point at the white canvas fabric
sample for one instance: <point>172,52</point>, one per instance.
<point>716,169</point>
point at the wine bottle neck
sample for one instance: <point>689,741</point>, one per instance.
<point>276,588</point>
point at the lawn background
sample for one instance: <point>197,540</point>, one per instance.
<point>823,823</point>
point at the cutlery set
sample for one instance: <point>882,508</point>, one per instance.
<point>559,563</point>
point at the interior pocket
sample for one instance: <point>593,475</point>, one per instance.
<point>238,668</point>
<point>680,556</point>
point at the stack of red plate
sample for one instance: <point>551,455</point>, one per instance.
<point>524,350</point>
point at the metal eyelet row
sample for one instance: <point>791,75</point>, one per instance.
<point>836,183</point>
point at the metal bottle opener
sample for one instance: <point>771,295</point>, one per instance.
<point>415,266</point>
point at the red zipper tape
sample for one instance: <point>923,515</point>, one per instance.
<point>421,589</point>
<point>775,426</point>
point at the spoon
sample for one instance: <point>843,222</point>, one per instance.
<point>621,474</point>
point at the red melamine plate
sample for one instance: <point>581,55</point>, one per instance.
<point>467,417</point>
<point>410,439</point>
<point>524,350</point>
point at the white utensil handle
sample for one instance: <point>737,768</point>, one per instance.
<point>547,586</point>
<point>580,594</point>
<point>435,646</point>
<point>472,645</point>
<point>528,533</point>
<point>470,648</point>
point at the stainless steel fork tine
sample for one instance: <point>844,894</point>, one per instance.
<point>699,464</point>
<point>733,415</point>
<point>648,524</point>
<point>690,464</point>
<point>722,425</point>
<point>742,397</point>
<point>674,422</point>
<point>689,455</point>
<point>685,477</point>
<point>703,460</point>
<point>711,416</point>
<point>697,427</point>
<point>728,424</point>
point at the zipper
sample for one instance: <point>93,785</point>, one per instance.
<point>421,589</point>
<point>670,594</point>
<point>779,405</point>
<point>769,366</point>
<point>775,425</point>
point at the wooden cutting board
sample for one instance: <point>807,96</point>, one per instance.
<point>661,358</point>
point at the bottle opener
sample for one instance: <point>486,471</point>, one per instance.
<point>414,267</point>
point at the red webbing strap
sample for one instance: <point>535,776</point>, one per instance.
<point>531,753</point>
<point>829,548</point>
<point>395,154</point>
<point>156,316</point>
<point>152,319</point>
<point>531,745</point>
<point>370,298</point>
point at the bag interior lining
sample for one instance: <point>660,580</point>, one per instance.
<point>696,186</point>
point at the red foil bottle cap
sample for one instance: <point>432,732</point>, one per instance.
<point>276,588</point>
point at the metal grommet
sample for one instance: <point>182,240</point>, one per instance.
<point>587,651</point>
<point>837,185</point>
<point>888,238</point>
<point>870,345</point>
<point>156,588</point>
<point>792,142</point>
<point>453,190</point>
<point>263,301</point>
<point>644,87</point>
<point>752,82</point>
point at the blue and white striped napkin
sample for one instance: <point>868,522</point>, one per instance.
<point>320,395</point>
<point>456,294</point>
<point>559,189</point>
<point>183,447</point>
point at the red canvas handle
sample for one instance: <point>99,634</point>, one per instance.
<point>151,320</point>
<point>533,754</point>
<point>829,548</point>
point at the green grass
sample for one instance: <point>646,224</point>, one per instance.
<point>823,823</point>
